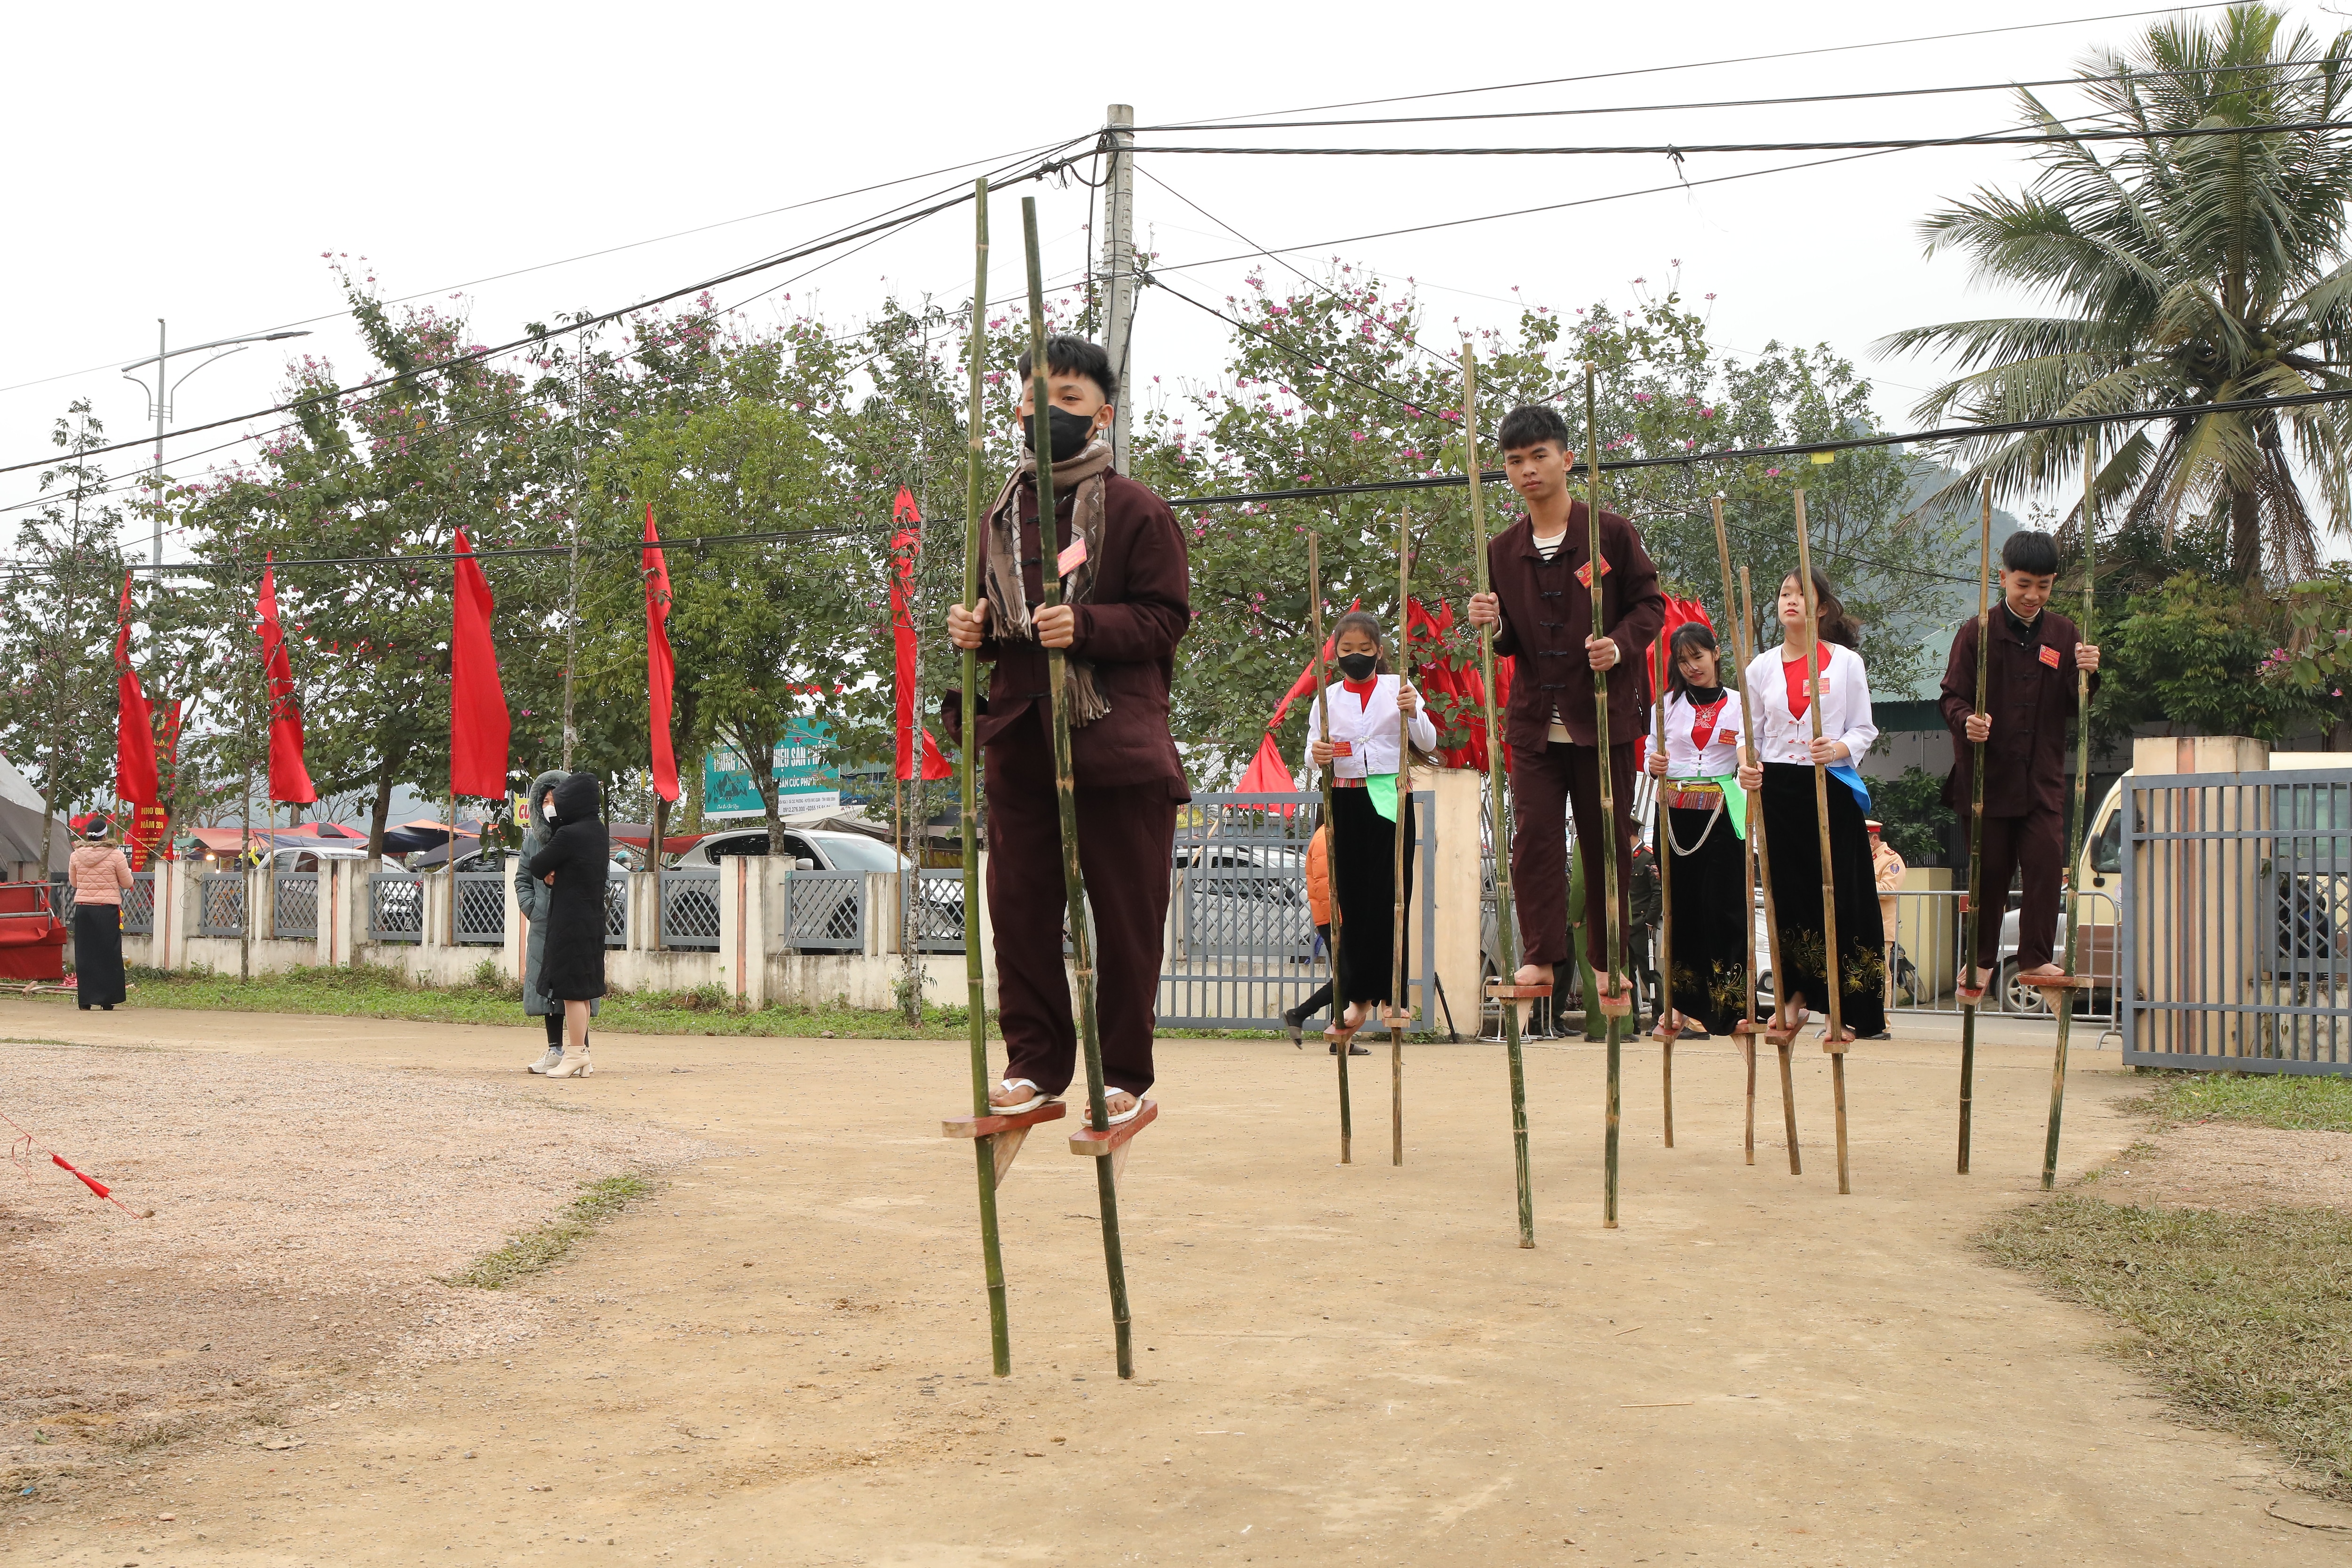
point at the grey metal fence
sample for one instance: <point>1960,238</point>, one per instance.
<point>220,903</point>
<point>936,922</point>
<point>1241,945</point>
<point>824,911</point>
<point>690,908</point>
<point>139,905</point>
<point>1924,963</point>
<point>616,909</point>
<point>294,906</point>
<point>481,908</point>
<point>395,906</point>
<point>2237,920</point>
<point>61,902</point>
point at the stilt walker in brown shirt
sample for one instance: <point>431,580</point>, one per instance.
<point>1541,612</point>
<point>2031,662</point>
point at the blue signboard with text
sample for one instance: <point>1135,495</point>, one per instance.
<point>803,780</point>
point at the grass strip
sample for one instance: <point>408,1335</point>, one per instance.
<point>2260,1099</point>
<point>2242,1318</point>
<point>535,1249</point>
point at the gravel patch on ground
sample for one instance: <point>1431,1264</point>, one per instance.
<point>291,1221</point>
<point>2234,1168</point>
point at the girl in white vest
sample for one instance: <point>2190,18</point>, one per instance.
<point>1779,694</point>
<point>1363,756</point>
<point>1702,822</point>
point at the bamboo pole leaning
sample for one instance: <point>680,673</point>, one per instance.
<point>1507,937</point>
<point>1662,843</point>
<point>2064,999</point>
<point>1082,956</point>
<point>1614,1005</point>
<point>1833,980</point>
<point>1331,850</point>
<point>1398,1012</point>
<point>1782,1040</point>
<point>975,508</point>
<point>1748,844</point>
<point>1971,994</point>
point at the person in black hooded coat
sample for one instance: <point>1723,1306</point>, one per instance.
<point>574,865</point>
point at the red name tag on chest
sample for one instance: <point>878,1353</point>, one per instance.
<point>2050,656</point>
<point>1584,573</point>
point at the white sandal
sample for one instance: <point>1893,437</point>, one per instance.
<point>1116,1117</point>
<point>1032,1104</point>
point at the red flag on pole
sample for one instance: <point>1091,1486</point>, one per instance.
<point>134,721</point>
<point>904,546</point>
<point>1268,773</point>
<point>289,779</point>
<point>661,665</point>
<point>478,725</point>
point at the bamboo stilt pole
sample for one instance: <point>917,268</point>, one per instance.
<point>1662,839</point>
<point>1607,853</point>
<point>1082,955</point>
<point>1330,844</point>
<point>1968,925</point>
<point>1764,875</point>
<point>1505,923</point>
<point>1403,805</point>
<point>1833,977</point>
<point>1732,613</point>
<point>975,1004</point>
<point>2074,952</point>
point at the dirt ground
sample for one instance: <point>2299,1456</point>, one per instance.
<point>2218,1165</point>
<point>784,1357</point>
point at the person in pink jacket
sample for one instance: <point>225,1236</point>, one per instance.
<point>99,873</point>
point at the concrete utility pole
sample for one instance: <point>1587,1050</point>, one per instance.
<point>1119,264</point>
<point>159,399</point>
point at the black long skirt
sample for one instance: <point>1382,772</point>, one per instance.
<point>1711,917</point>
<point>1363,880</point>
<point>98,954</point>
<point>1792,833</point>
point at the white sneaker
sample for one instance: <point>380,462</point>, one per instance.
<point>546,1063</point>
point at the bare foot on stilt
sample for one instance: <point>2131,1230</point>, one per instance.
<point>1534,975</point>
<point>2043,972</point>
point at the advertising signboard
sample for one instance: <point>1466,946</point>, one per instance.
<point>803,780</point>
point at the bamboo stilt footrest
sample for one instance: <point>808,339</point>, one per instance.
<point>1340,1037</point>
<point>2054,981</point>
<point>1669,1032</point>
<point>989,1126</point>
<point>1503,991</point>
<point>1086,1141</point>
<point>1776,1038</point>
<point>1616,1003</point>
<point>1967,997</point>
<point>1396,1018</point>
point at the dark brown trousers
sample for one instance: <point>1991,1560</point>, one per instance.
<point>2033,848</point>
<point>1126,837</point>
<point>1544,786</point>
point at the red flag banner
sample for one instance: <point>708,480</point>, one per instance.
<point>478,725</point>
<point>904,546</point>
<point>290,777</point>
<point>661,665</point>
<point>134,721</point>
<point>1268,773</point>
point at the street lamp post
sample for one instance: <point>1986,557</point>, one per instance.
<point>159,398</point>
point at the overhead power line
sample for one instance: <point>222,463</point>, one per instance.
<point>1684,149</point>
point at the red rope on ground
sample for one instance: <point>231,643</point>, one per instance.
<point>22,1146</point>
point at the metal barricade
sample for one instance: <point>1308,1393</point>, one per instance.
<point>61,902</point>
<point>2237,954</point>
<point>395,906</point>
<point>481,908</point>
<point>1241,947</point>
<point>220,904</point>
<point>139,905</point>
<point>616,909</point>
<point>294,906</point>
<point>936,922</point>
<point>1924,961</point>
<point>824,911</point>
<point>690,908</point>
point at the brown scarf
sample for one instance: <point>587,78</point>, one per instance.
<point>1007,590</point>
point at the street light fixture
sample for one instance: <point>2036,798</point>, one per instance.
<point>160,397</point>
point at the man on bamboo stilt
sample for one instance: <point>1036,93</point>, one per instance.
<point>2030,691</point>
<point>1541,611</point>
<point>1127,588</point>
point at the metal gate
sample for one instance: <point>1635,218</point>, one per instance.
<point>2235,920</point>
<point>1240,946</point>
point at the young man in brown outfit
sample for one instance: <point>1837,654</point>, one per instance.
<point>1127,588</point>
<point>2030,695</point>
<point>1541,610</point>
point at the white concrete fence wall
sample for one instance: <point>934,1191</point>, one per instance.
<point>752,963</point>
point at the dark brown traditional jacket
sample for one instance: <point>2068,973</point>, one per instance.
<point>2030,688</point>
<point>1548,614</point>
<point>1142,606</point>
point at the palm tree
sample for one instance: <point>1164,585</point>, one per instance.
<point>2189,271</point>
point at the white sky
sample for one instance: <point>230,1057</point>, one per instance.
<point>193,165</point>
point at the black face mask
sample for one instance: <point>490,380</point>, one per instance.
<point>1071,432</point>
<point>1358,666</point>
